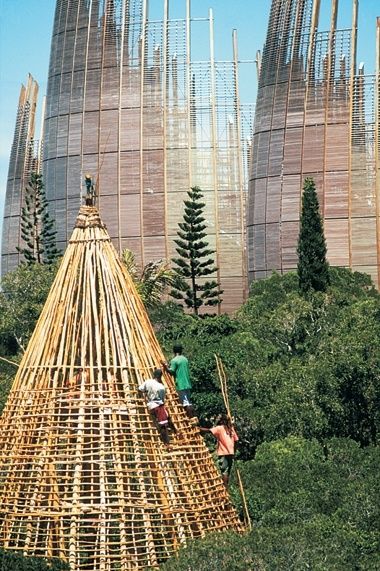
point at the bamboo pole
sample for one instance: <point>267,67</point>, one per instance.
<point>9,361</point>
<point>223,383</point>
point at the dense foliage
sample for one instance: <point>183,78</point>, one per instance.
<point>152,281</point>
<point>13,561</point>
<point>313,268</point>
<point>312,506</point>
<point>305,392</point>
<point>37,227</point>
<point>193,266</point>
<point>303,367</point>
<point>303,376</point>
<point>22,297</point>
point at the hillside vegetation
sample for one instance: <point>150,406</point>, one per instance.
<point>303,376</point>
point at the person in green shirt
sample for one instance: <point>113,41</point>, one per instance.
<point>179,368</point>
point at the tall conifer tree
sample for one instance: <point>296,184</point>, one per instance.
<point>194,262</point>
<point>37,228</point>
<point>313,268</point>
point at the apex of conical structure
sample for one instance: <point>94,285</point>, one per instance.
<point>84,474</point>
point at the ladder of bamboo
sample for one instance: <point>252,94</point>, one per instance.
<point>84,475</point>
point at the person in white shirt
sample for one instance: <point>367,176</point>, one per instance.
<point>155,393</point>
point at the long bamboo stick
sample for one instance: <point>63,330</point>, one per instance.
<point>223,384</point>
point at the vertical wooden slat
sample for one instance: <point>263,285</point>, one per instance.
<point>142,111</point>
<point>214,146</point>
<point>354,41</point>
<point>377,145</point>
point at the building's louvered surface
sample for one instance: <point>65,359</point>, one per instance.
<point>139,100</point>
<point>23,160</point>
<point>316,115</point>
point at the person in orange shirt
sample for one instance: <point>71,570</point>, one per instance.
<point>226,436</point>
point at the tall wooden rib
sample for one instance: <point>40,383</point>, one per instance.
<point>315,116</point>
<point>23,160</point>
<point>84,475</point>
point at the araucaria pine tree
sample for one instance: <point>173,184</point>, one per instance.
<point>313,268</point>
<point>194,262</point>
<point>37,228</point>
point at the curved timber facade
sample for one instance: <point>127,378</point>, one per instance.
<point>24,158</point>
<point>317,114</point>
<point>127,103</point>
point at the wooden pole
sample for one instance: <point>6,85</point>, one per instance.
<point>10,362</point>
<point>354,41</point>
<point>223,384</point>
<point>377,145</point>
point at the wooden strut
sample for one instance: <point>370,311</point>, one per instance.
<point>223,384</point>
<point>10,362</point>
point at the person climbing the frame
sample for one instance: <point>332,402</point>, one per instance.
<point>90,191</point>
<point>226,437</point>
<point>179,368</point>
<point>73,383</point>
<point>155,393</point>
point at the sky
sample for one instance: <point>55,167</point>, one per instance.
<point>25,36</point>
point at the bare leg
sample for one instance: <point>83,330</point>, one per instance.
<point>164,433</point>
<point>171,425</point>
<point>190,411</point>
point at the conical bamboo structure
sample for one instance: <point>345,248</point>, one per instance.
<point>84,475</point>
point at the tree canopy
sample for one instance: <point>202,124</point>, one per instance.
<point>313,268</point>
<point>37,227</point>
<point>193,264</point>
<point>13,561</point>
<point>313,506</point>
<point>297,366</point>
<point>22,297</point>
<point>151,281</point>
<point>303,378</point>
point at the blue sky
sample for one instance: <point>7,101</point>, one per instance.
<point>25,35</point>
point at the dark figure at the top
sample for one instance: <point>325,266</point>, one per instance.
<point>179,368</point>
<point>90,191</point>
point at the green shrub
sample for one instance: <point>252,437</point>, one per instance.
<point>321,544</point>
<point>217,552</point>
<point>14,561</point>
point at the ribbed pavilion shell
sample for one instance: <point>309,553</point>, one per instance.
<point>84,475</point>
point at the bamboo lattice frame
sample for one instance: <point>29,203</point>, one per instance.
<point>84,475</point>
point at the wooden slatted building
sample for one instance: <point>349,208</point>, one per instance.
<point>25,157</point>
<point>317,114</point>
<point>137,98</point>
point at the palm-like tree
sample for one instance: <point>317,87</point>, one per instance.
<point>152,280</point>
